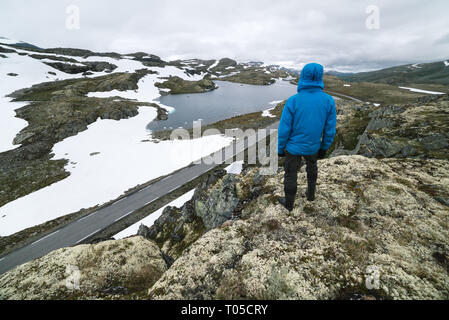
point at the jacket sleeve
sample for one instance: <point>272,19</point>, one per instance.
<point>285,127</point>
<point>329,128</point>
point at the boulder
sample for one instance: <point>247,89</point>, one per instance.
<point>108,270</point>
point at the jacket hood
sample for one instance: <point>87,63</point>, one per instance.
<point>311,77</point>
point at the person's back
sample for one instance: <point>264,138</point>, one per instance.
<point>306,131</point>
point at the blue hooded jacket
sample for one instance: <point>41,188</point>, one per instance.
<point>309,117</point>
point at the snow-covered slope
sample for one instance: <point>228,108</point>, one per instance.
<point>105,160</point>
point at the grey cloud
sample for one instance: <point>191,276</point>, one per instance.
<point>289,31</point>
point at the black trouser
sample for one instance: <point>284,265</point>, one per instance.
<point>292,165</point>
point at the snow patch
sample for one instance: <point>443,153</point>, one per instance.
<point>214,65</point>
<point>421,91</point>
<point>146,91</point>
<point>446,63</point>
<point>267,113</point>
<point>235,168</point>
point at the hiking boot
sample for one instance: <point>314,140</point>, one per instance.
<point>289,206</point>
<point>311,187</point>
<point>310,196</point>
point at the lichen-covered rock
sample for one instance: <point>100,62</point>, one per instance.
<point>352,120</point>
<point>418,130</point>
<point>175,230</point>
<point>214,204</point>
<point>376,229</point>
<point>111,269</point>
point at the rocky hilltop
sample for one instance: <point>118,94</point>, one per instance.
<point>233,241</point>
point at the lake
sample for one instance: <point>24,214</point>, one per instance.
<point>229,100</point>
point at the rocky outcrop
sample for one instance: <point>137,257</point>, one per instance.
<point>417,130</point>
<point>52,57</point>
<point>162,114</point>
<point>213,203</point>
<point>83,67</point>
<point>149,60</point>
<point>257,76</point>
<point>371,219</point>
<point>178,85</point>
<point>352,120</point>
<point>108,270</point>
<point>6,50</point>
<point>410,131</point>
<point>378,229</point>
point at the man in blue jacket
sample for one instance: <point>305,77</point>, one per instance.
<point>306,132</point>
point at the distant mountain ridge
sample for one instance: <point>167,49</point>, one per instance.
<point>423,73</point>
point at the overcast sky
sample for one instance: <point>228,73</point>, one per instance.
<point>289,32</point>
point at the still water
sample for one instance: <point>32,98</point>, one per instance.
<point>229,100</point>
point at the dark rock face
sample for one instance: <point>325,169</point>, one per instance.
<point>116,290</point>
<point>174,230</point>
<point>409,151</point>
<point>215,206</point>
<point>162,114</point>
<point>381,147</point>
<point>5,50</point>
<point>435,141</point>
<point>213,203</point>
<point>86,67</point>
<point>100,66</point>
<point>148,60</point>
<point>143,231</point>
<point>12,74</point>
<point>68,68</point>
<point>54,58</point>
